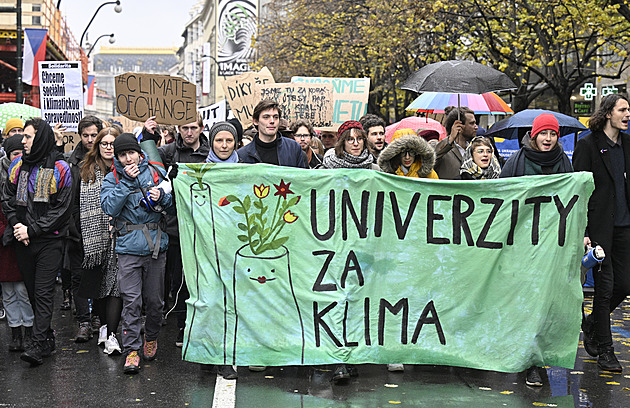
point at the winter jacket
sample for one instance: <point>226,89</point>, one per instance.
<point>44,220</point>
<point>178,152</point>
<point>289,153</point>
<point>120,197</point>
<point>422,150</point>
<point>9,271</point>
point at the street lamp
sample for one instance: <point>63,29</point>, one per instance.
<point>117,9</point>
<point>111,41</point>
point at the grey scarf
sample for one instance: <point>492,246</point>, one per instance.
<point>348,161</point>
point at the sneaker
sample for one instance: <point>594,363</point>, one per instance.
<point>227,371</point>
<point>111,345</point>
<point>85,332</point>
<point>532,378</point>
<point>180,338</point>
<point>257,369</point>
<point>607,361</point>
<point>341,374</point>
<point>49,344</point>
<point>395,367</point>
<point>96,324</point>
<point>33,355</point>
<point>150,349</point>
<point>132,363</point>
<point>102,334</point>
<point>590,336</point>
<point>67,300</point>
<point>3,313</point>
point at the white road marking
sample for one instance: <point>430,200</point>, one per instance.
<point>224,393</point>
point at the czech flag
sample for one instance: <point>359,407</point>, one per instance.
<point>34,51</point>
<point>90,90</point>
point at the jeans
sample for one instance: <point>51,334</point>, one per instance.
<point>15,301</point>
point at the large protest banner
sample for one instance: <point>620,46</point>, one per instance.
<point>309,102</point>
<point>212,114</point>
<point>172,100</point>
<point>61,93</point>
<point>350,97</point>
<point>239,91</point>
<point>359,266</point>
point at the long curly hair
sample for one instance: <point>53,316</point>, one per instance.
<point>93,157</point>
<point>598,120</point>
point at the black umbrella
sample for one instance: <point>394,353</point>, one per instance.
<point>458,77</point>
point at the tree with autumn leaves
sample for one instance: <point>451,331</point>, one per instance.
<point>544,46</point>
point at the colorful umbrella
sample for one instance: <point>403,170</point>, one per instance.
<point>17,110</point>
<point>414,123</point>
<point>435,102</point>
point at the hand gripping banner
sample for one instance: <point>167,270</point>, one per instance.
<point>297,267</point>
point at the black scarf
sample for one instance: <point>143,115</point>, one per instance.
<point>544,159</point>
<point>43,151</point>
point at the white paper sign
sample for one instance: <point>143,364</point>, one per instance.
<point>61,93</point>
<point>213,114</point>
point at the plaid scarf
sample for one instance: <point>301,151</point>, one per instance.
<point>94,222</point>
<point>470,167</point>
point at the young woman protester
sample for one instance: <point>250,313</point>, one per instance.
<point>223,142</point>
<point>99,261</point>
<point>303,133</point>
<point>541,154</point>
<point>408,155</point>
<point>479,161</point>
<point>351,150</point>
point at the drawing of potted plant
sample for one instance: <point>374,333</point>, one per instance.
<point>262,271</point>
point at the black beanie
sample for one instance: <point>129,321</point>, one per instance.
<point>222,126</point>
<point>125,142</point>
<point>13,143</point>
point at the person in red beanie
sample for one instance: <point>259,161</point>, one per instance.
<point>541,153</point>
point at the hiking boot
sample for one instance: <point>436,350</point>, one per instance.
<point>85,332</point>
<point>102,334</point>
<point>27,339</point>
<point>96,324</point>
<point>33,355</point>
<point>227,372</point>
<point>395,367</point>
<point>111,345</point>
<point>132,363</point>
<point>607,361</point>
<point>49,344</point>
<point>180,338</point>
<point>16,339</point>
<point>150,349</point>
<point>67,300</point>
<point>590,336</point>
<point>532,377</point>
<point>340,374</point>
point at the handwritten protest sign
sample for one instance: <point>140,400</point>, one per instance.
<point>359,266</point>
<point>172,100</point>
<point>350,96</point>
<point>301,101</point>
<point>61,93</point>
<point>239,91</point>
<point>127,124</point>
<point>213,114</point>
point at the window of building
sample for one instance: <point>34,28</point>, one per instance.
<point>37,7</point>
<point>37,20</point>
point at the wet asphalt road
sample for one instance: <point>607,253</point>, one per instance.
<point>81,375</point>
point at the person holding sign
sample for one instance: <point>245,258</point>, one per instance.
<point>606,154</point>
<point>351,151</point>
<point>479,161</point>
<point>302,133</point>
<point>36,202</point>
<point>408,155</point>
<point>541,154</point>
<point>268,146</point>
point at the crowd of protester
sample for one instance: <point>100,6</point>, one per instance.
<point>104,215</point>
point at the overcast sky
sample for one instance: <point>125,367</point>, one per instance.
<point>142,23</point>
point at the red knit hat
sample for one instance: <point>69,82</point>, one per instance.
<point>544,121</point>
<point>349,124</point>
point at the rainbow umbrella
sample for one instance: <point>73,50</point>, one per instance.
<point>435,102</point>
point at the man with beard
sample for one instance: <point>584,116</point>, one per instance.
<point>375,129</point>
<point>461,126</point>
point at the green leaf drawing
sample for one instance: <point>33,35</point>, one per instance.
<point>277,243</point>
<point>242,226</point>
<point>243,238</point>
<point>247,203</point>
<point>238,209</point>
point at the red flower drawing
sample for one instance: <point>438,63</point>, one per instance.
<point>283,189</point>
<point>223,201</point>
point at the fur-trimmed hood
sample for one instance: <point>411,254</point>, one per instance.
<point>414,143</point>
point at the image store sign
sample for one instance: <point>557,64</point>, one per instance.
<point>61,93</point>
<point>236,22</point>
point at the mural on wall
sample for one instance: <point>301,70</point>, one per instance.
<point>236,22</point>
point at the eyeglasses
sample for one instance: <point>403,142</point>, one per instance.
<point>106,145</point>
<point>408,153</point>
<point>301,136</point>
<point>353,140</point>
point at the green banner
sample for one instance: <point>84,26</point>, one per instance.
<point>292,266</point>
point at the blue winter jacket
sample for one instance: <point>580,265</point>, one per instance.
<point>120,196</point>
<point>289,153</point>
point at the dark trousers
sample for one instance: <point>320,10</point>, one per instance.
<point>38,263</point>
<point>612,284</point>
<point>74,254</point>
<point>178,283</point>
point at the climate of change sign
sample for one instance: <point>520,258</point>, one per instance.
<point>359,267</point>
<point>61,93</point>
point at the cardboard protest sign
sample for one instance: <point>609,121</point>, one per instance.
<point>350,96</point>
<point>301,101</point>
<point>358,266</point>
<point>213,114</point>
<point>61,93</point>
<point>172,100</point>
<point>127,124</point>
<point>239,91</point>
